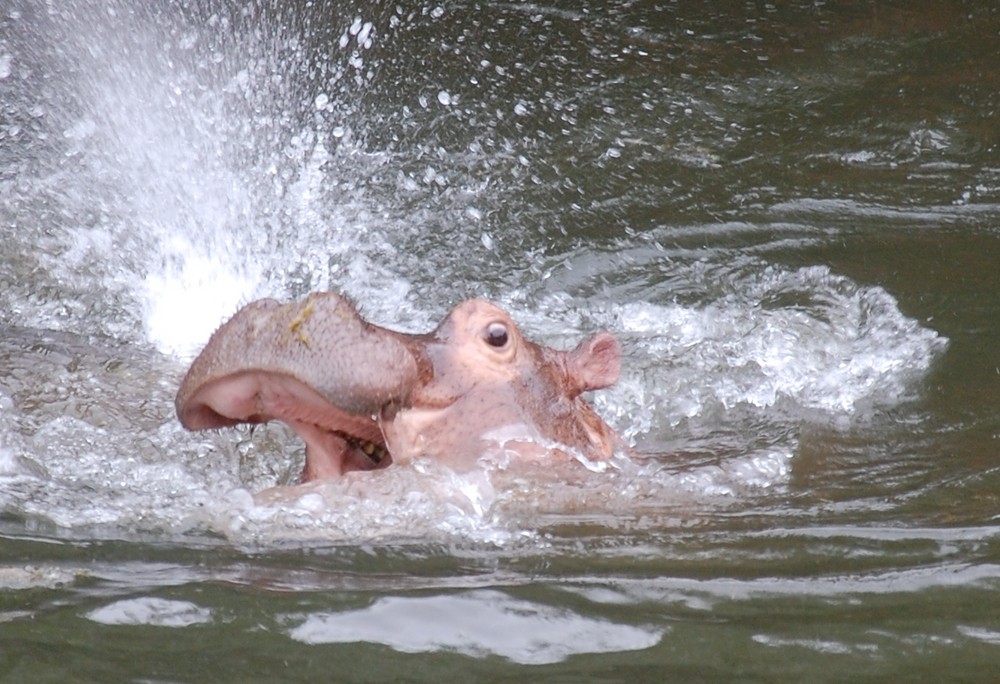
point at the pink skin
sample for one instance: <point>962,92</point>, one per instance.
<point>362,396</point>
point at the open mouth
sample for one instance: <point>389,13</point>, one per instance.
<point>314,365</point>
<point>375,451</point>
<point>337,442</point>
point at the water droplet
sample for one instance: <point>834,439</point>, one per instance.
<point>444,98</point>
<point>363,35</point>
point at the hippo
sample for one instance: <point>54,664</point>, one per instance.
<point>362,397</point>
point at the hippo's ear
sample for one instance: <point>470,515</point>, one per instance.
<point>595,363</point>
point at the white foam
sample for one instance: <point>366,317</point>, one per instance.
<point>10,442</point>
<point>807,336</point>
<point>8,461</point>
<point>422,501</point>
<point>81,479</point>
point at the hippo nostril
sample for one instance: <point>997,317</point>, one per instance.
<point>496,335</point>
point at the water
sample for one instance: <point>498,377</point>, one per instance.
<point>788,216</point>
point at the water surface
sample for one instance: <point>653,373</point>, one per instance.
<point>787,215</point>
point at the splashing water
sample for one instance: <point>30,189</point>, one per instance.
<point>185,154</point>
<point>178,162</point>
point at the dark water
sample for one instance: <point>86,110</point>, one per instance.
<point>789,216</point>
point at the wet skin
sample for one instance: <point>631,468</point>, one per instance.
<point>363,397</point>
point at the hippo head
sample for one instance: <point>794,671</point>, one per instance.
<point>362,396</point>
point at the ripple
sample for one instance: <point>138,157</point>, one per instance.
<point>476,623</point>
<point>152,611</point>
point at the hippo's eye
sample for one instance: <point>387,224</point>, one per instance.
<point>496,335</point>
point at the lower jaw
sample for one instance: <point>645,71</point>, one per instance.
<point>339,454</point>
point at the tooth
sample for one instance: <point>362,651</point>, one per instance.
<point>372,450</point>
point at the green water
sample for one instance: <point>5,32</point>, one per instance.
<point>788,215</point>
